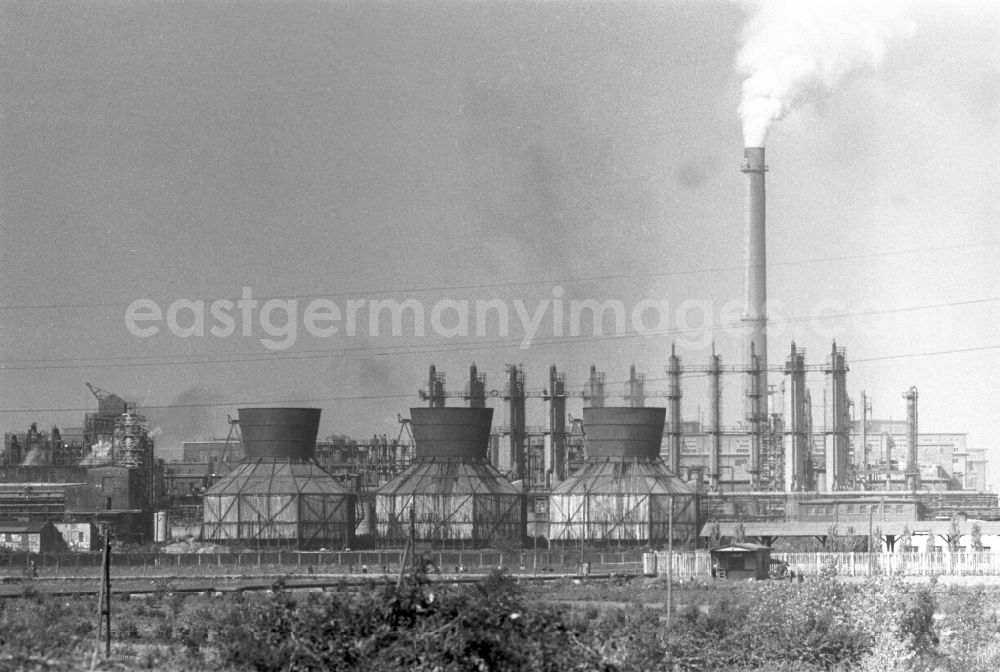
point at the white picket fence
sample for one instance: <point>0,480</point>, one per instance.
<point>698,564</point>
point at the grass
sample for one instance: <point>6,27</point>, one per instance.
<point>169,631</point>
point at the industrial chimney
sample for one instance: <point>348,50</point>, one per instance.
<point>755,314</point>
<point>912,472</point>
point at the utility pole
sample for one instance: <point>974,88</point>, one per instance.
<point>413,535</point>
<point>670,557</point>
<point>411,546</point>
<point>104,598</point>
<point>871,532</point>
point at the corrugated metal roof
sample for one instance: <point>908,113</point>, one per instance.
<point>22,527</point>
<point>278,477</point>
<point>636,476</point>
<point>449,477</point>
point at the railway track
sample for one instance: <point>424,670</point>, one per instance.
<point>231,584</point>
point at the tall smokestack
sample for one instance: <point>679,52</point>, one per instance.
<point>755,284</point>
<point>912,473</point>
<point>715,421</point>
<point>674,409</point>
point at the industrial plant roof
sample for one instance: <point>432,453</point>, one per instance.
<point>449,477</point>
<point>822,529</point>
<point>22,526</point>
<point>266,476</point>
<point>637,476</point>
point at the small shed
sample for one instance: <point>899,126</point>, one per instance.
<point>741,560</point>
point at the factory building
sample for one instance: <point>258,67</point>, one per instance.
<point>279,495</point>
<point>969,468</point>
<point>623,492</point>
<point>451,495</point>
<point>884,446</point>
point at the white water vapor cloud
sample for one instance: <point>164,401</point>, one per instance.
<point>794,51</point>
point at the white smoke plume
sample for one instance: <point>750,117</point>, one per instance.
<point>796,50</point>
<point>35,456</point>
<point>100,453</point>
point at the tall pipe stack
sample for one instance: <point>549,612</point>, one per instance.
<point>476,394</point>
<point>755,282</point>
<point>557,425</point>
<point>887,447</point>
<point>715,418</point>
<point>515,397</point>
<point>837,425</point>
<point>435,388</point>
<point>674,409</point>
<point>912,473</point>
<point>866,457</point>
<point>795,422</point>
<point>635,389</point>
<point>593,396</point>
<point>810,483</point>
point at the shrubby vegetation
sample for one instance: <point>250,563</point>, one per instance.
<point>498,624</point>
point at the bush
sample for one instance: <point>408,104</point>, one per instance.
<point>417,626</point>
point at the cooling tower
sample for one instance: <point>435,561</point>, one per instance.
<point>462,433</point>
<point>457,498</point>
<point>623,492</point>
<point>624,432</point>
<point>280,433</point>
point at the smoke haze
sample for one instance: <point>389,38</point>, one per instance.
<point>795,51</point>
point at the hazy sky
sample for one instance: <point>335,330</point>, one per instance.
<point>448,152</point>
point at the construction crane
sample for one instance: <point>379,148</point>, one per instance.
<point>101,395</point>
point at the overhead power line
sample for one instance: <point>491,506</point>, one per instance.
<point>523,283</point>
<point>376,397</point>
<point>429,348</point>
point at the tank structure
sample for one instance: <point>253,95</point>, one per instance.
<point>279,495</point>
<point>450,495</point>
<point>624,492</point>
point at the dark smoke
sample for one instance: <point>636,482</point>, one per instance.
<point>188,417</point>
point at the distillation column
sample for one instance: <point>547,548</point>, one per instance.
<point>593,395</point>
<point>635,389</point>
<point>912,473</point>
<point>796,438</point>
<point>837,421</point>
<point>476,392</point>
<point>556,453</point>
<point>714,419</point>
<point>435,388</point>
<point>515,404</point>
<point>674,410</point>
